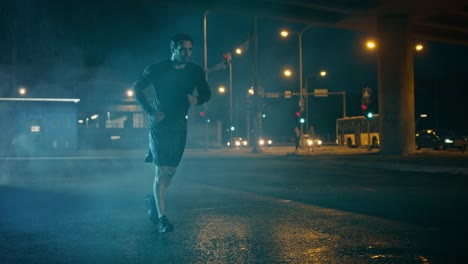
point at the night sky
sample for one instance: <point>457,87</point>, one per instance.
<point>63,50</point>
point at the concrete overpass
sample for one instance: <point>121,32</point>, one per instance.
<point>395,23</point>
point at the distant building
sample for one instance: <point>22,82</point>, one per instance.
<point>38,126</point>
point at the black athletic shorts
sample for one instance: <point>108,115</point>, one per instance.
<point>166,144</point>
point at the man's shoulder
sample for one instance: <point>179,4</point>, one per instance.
<point>159,65</point>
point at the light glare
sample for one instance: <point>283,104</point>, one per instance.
<point>221,89</point>
<point>22,91</point>
<point>370,44</point>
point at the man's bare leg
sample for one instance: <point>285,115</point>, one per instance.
<point>162,180</point>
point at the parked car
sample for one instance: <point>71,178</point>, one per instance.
<point>438,139</point>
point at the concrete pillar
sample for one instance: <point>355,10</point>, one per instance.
<point>396,85</point>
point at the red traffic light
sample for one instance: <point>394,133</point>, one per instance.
<point>363,107</point>
<point>298,114</point>
<point>202,114</point>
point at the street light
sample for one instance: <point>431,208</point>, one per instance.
<point>284,34</point>
<point>221,90</point>
<point>287,73</point>
<point>418,120</point>
<point>130,93</point>
<point>371,44</point>
<point>238,51</point>
<point>322,74</point>
<point>22,91</point>
<point>419,47</point>
<point>228,60</point>
<point>205,47</point>
<point>250,93</point>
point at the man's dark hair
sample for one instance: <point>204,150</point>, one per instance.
<point>180,37</point>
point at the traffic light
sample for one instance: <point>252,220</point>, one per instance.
<point>366,109</point>
<point>300,117</point>
<point>227,58</point>
<point>204,116</point>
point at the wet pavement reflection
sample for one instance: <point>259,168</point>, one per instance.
<point>97,215</point>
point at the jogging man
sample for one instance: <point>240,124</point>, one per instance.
<point>174,82</point>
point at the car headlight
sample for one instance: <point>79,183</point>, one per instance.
<point>310,142</point>
<point>228,144</point>
<point>245,142</point>
<point>319,142</point>
<point>261,142</point>
<point>270,142</point>
<point>238,143</point>
<point>449,141</point>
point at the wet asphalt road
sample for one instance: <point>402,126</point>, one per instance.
<point>229,210</point>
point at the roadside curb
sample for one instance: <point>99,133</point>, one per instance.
<point>421,163</point>
<point>408,167</point>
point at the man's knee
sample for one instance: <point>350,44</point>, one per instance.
<point>171,171</point>
<point>165,173</point>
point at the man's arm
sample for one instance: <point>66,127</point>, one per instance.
<point>138,87</point>
<point>203,90</point>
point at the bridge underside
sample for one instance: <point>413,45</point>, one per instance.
<point>445,21</point>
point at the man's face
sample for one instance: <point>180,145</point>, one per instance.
<point>182,51</point>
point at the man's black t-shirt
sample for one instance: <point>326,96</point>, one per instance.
<point>171,87</point>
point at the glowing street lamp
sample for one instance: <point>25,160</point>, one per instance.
<point>130,93</point>
<point>287,73</point>
<point>22,91</point>
<point>238,51</point>
<point>284,33</point>
<point>323,73</point>
<point>371,44</point>
<point>251,91</point>
<point>221,89</point>
<point>419,47</point>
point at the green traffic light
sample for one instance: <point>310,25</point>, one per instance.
<point>369,115</point>
<point>302,120</point>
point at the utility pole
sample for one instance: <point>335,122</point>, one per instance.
<point>257,102</point>
<point>230,95</point>
<point>205,45</point>
<point>13,55</point>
